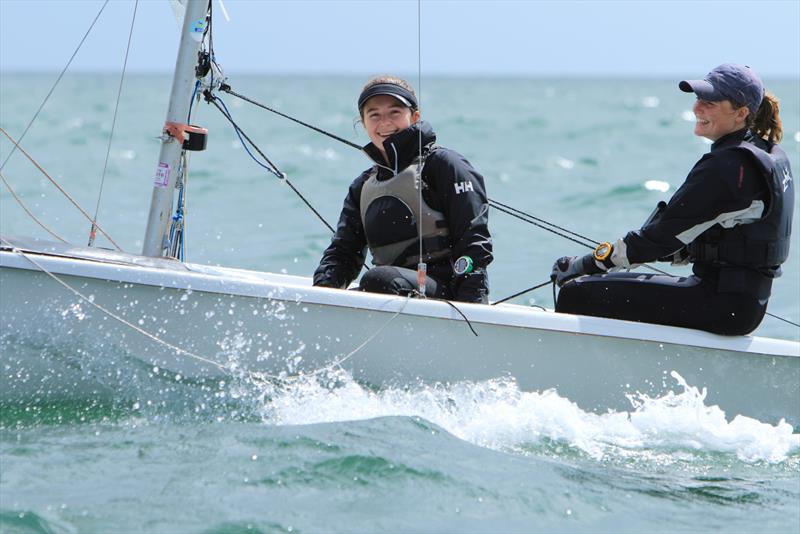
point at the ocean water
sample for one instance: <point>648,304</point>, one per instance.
<point>329,454</point>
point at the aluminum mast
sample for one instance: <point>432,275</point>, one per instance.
<point>194,24</point>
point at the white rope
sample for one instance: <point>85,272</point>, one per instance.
<point>111,314</point>
<point>58,186</point>
<point>257,376</point>
<point>28,211</point>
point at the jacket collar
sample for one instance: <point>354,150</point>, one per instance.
<point>401,148</point>
<point>733,138</point>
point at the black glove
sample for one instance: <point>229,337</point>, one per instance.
<point>568,267</point>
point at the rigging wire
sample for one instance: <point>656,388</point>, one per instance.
<point>422,268</point>
<point>271,168</point>
<point>514,212</point>
<point>61,75</point>
<point>58,186</point>
<point>93,230</point>
<point>227,89</point>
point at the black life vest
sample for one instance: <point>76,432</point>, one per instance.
<point>763,244</point>
<point>390,211</point>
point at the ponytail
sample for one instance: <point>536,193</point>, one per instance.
<point>766,123</point>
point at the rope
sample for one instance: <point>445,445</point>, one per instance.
<point>784,320</point>
<point>111,314</point>
<point>227,89</point>
<point>422,268</point>
<point>250,374</point>
<point>281,175</point>
<point>93,231</point>
<point>46,98</point>
<point>522,292</point>
<point>469,324</point>
<point>519,214</point>
<point>72,200</point>
<point>565,236</point>
<point>30,214</point>
<point>362,345</point>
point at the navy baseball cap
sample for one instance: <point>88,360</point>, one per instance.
<point>737,83</point>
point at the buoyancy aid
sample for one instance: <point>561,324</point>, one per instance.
<point>390,213</point>
<point>764,244</point>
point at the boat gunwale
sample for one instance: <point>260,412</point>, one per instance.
<point>290,288</point>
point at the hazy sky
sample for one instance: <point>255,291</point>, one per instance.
<point>536,38</point>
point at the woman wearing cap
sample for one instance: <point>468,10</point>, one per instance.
<point>382,208</point>
<point>731,219</point>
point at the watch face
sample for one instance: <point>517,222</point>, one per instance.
<point>602,251</point>
<point>463,265</point>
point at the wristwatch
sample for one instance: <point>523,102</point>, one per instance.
<point>602,254</point>
<point>462,265</point>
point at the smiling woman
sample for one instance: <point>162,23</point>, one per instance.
<point>732,219</point>
<point>441,230</point>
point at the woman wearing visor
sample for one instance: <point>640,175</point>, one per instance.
<point>382,208</point>
<point>731,219</point>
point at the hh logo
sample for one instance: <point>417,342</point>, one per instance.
<point>463,187</point>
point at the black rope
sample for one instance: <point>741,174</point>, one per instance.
<point>522,292</point>
<point>281,175</point>
<point>541,226</point>
<point>514,212</point>
<point>499,205</point>
<point>784,320</point>
<point>227,88</point>
<point>469,324</point>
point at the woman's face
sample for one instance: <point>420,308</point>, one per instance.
<point>384,115</point>
<point>716,119</point>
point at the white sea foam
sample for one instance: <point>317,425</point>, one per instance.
<point>496,414</point>
<point>656,185</point>
<point>565,163</point>
<point>650,102</point>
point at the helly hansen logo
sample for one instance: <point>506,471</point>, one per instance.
<point>463,187</point>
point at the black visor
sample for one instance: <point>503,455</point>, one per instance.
<point>402,94</point>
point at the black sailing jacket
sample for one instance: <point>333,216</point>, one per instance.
<point>725,189</point>
<point>466,210</point>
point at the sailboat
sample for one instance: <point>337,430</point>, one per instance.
<point>192,323</point>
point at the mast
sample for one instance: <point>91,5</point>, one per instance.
<point>194,23</point>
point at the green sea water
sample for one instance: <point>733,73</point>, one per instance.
<point>591,155</point>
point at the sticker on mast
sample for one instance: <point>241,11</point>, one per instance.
<point>162,175</point>
<point>198,29</point>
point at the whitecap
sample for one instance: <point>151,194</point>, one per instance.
<point>656,185</point>
<point>565,163</point>
<point>496,414</point>
<point>650,102</point>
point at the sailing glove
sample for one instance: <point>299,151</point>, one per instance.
<point>568,267</point>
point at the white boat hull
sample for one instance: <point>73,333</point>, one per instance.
<point>54,343</point>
